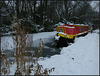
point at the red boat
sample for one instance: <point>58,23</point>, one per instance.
<point>68,32</point>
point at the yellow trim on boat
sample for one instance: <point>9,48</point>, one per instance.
<point>66,36</point>
<point>71,36</point>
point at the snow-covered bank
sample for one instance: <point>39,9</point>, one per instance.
<point>80,58</point>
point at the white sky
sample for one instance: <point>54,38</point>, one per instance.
<point>95,4</point>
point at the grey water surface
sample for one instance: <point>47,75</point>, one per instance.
<point>48,50</point>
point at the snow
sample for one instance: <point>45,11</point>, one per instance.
<point>41,29</point>
<point>81,24</point>
<point>70,23</point>
<point>61,33</point>
<point>69,27</point>
<point>95,5</point>
<point>43,35</point>
<point>57,37</point>
<point>13,69</point>
<point>79,58</point>
<point>8,41</point>
<point>60,23</point>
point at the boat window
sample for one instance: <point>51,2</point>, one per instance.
<point>60,30</point>
<point>80,29</point>
<point>87,28</point>
<point>84,29</point>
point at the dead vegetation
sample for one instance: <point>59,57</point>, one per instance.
<point>5,66</point>
<point>22,40</point>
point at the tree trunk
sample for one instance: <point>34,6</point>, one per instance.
<point>66,9</point>
<point>17,8</point>
<point>41,16</point>
<point>34,11</point>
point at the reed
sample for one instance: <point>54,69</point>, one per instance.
<point>25,64</point>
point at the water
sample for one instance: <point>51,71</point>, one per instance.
<point>48,50</point>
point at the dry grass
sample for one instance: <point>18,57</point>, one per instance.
<point>5,66</point>
<point>22,40</point>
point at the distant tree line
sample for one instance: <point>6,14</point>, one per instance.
<point>45,13</point>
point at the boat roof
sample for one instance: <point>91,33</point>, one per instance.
<point>80,25</point>
<point>72,25</point>
<point>66,26</point>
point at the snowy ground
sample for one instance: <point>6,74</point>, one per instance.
<point>80,58</point>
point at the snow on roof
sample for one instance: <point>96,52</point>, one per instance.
<point>66,26</point>
<point>60,23</point>
<point>71,24</point>
<point>81,24</point>
<point>69,27</point>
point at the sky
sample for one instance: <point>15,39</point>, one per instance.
<point>95,4</point>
